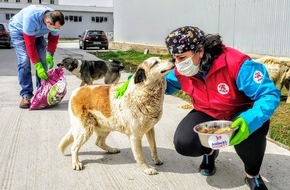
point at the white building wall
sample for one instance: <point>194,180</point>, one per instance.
<point>252,26</point>
<point>151,21</point>
<point>55,2</point>
<point>98,3</point>
<point>71,29</point>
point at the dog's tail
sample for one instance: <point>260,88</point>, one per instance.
<point>65,141</point>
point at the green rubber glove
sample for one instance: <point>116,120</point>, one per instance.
<point>243,131</point>
<point>40,71</point>
<point>49,60</point>
<point>121,91</point>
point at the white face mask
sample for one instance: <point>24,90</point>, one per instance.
<point>187,68</point>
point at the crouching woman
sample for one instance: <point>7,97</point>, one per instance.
<point>224,84</point>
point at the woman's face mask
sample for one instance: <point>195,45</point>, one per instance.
<point>187,67</point>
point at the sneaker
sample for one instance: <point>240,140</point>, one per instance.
<point>256,183</point>
<point>207,167</point>
<point>25,103</point>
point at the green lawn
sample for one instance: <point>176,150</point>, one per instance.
<point>280,121</point>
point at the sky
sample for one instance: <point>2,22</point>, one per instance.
<point>100,3</point>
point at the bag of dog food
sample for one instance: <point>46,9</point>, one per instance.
<point>51,91</point>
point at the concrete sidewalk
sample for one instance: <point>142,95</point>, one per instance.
<point>30,158</point>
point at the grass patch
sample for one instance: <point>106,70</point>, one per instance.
<point>131,58</point>
<point>279,127</point>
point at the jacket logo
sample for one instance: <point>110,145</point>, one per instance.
<point>258,76</point>
<point>223,88</point>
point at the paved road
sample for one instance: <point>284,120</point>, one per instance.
<point>30,158</point>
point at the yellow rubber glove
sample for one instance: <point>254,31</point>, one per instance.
<point>243,131</point>
<point>40,71</point>
<point>49,60</point>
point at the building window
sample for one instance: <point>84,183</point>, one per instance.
<point>29,1</point>
<point>73,18</point>
<point>99,19</point>
<point>76,19</point>
<point>7,16</point>
<point>5,1</point>
<point>51,1</point>
<point>17,1</point>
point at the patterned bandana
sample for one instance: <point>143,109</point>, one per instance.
<point>184,39</point>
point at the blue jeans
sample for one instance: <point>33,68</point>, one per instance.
<point>24,64</point>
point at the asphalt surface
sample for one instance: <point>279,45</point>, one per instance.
<point>30,158</point>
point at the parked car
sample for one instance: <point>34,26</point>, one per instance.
<point>93,38</point>
<point>5,36</point>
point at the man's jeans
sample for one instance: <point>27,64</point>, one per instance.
<point>24,65</point>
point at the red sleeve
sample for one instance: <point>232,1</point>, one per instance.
<point>31,48</point>
<point>52,42</point>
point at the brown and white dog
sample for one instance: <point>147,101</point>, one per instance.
<point>88,71</point>
<point>96,108</point>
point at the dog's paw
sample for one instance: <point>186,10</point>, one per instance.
<point>151,171</point>
<point>77,166</point>
<point>114,151</point>
<point>157,161</point>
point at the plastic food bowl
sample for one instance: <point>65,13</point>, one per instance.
<point>215,134</point>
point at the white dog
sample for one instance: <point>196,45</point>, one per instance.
<point>97,109</point>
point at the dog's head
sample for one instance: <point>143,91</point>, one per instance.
<point>113,74</point>
<point>152,69</point>
<point>69,64</point>
<point>115,66</point>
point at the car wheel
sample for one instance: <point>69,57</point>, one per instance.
<point>106,47</point>
<point>80,45</point>
<point>84,46</point>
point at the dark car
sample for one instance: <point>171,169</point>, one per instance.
<point>93,38</point>
<point>5,36</point>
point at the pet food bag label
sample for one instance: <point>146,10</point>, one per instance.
<point>51,91</point>
<point>218,141</point>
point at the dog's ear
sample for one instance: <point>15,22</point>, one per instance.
<point>139,76</point>
<point>115,66</point>
<point>60,64</point>
<point>75,61</point>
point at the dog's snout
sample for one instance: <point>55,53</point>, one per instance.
<point>59,64</point>
<point>122,67</point>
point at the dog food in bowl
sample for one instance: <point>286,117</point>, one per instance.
<point>215,134</point>
<point>214,130</point>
